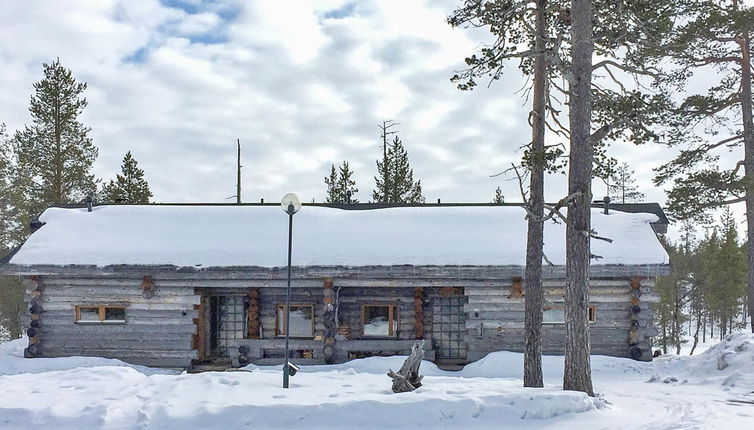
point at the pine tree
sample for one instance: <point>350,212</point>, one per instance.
<point>347,185</point>
<point>341,187</point>
<point>332,186</point>
<point>129,187</point>
<point>11,289</point>
<point>716,35</point>
<point>728,264</point>
<point>499,197</point>
<point>56,152</point>
<point>535,34</point>
<point>396,181</point>
<point>674,289</point>
<point>622,187</point>
<point>577,373</point>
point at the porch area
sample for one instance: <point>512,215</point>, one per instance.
<point>311,351</point>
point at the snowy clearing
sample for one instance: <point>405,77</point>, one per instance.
<point>711,390</point>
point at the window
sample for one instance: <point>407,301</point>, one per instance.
<point>556,314</point>
<point>301,323</point>
<point>378,320</point>
<point>592,312</point>
<point>100,314</point>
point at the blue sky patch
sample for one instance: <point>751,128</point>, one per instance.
<point>345,11</point>
<point>137,57</point>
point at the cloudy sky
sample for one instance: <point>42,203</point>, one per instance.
<point>303,87</point>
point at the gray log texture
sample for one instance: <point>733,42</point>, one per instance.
<point>158,330</point>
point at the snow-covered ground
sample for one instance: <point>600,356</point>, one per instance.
<point>711,390</point>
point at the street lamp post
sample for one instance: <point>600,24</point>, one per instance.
<point>290,204</point>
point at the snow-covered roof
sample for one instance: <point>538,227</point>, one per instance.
<point>221,236</point>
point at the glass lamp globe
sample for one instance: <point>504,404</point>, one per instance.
<point>289,200</point>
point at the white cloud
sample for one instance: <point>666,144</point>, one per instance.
<point>303,87</point>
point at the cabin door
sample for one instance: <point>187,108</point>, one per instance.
<point>227,323</point>
<point>449,328</point>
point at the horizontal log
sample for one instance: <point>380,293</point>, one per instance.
<point>119,345</point>
<point>62,306</point>
<point>281,360</point>
<point>116,330</point>
<point>53,351</point>
<point>114,298</point>
<point>108,285</point>
<point>117,338</point>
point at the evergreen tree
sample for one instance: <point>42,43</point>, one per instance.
<point>11,289</point>
<point>129,187</point>
<point>332,186</point>
<point>670,312</point>
<point>347,185</point>
<point>499,197</point>
<point>714,35</point>
<point>622,187</point>
<point>56,152</point>
<point>341,187</point>
<point>535,33</point>
<point>729,272</point>
<point>395,184</point>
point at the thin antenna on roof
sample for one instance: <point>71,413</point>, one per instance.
<point>238,174</point>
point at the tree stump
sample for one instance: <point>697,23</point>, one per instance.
<point>408,379</point>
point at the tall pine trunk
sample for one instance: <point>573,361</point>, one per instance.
<point>577,375</point>
<point>748,126</point>
<point>534,299</point>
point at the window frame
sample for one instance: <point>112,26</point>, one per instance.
<point>590,310</point>
<point>393,320</point>
<point>280,307</point>
<point>101,313</point>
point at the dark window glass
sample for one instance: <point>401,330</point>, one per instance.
<point>115,314</point>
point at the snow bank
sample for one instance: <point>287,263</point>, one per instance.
<point>91,393</point>
<point>12,362</point>
<point>729,363</point>
<point>81,392</point>
<point>206,236</point>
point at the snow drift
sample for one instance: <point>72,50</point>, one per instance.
<point>729,363</point>
<point>80,392</point>
<point>95,393</point>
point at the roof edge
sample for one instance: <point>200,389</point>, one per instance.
<point>338,272</point>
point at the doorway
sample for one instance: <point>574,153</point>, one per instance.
<point>449,328</point>
<point>227,323</point>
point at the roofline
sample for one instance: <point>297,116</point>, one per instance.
<point>318,272</point>
<point>370,205</point>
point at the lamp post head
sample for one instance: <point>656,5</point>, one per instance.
<point>290,203</point>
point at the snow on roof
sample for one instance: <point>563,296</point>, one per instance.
<point>217,236</point>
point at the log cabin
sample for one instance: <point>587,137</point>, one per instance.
<point>193,285</point>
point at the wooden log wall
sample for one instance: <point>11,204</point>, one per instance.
<point>159,324</point>
<point>162,320</point>
<point>495,318</point>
